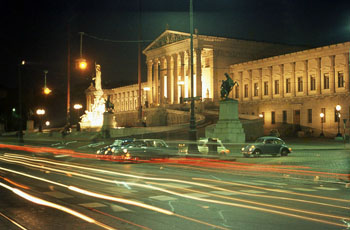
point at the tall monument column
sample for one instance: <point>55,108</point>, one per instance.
<point>198,72</point>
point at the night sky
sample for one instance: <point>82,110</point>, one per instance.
<point>37,32</point>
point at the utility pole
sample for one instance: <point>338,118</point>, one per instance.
<point>68,75</point>
<point>139,66</point>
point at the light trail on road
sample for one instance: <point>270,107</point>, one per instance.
<point>215,201</point>
<point>40,201</point>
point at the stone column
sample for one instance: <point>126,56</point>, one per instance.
<point>270,82</point>
<point>182,72</point>
<point>156,83</point>
<point>346,72</point>
<point>175,78</point>
<point>293,83</point>
<point>169,78</point>
<point>189,73</point>
<point>318,76</point>
<point>306,78</point>
<point>149,81</point>
<point>282,81</point>
<point>261,87</point>
<point>198,72</point>
<point>332,75</point>
<point>241,85</point>
<point>250,86</point>
<point>162,67</point>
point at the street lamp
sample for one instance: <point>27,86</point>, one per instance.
<point>338,108</point>
<point>40,113</point>
<point>20,131</point>
<point>46,89</point>
<point>77,107</point>
<point>322,116</point>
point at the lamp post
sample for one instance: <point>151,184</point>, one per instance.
<point>77,107</point>
<point>20,131</point>
<point>338,108</point>
<point>46,89</point>
<point>322,121</point>
<point>40,113</point>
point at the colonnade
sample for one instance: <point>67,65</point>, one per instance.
<point>315,76</point>
<point>168,77</point>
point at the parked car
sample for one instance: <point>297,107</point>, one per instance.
<point>109,149</point>
<point>205,145</point>
<point>266,145</point>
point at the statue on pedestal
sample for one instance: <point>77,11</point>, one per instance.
<point>227,86</point>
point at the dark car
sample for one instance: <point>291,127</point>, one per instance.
<point>108,150</point>
<point>266,146</point>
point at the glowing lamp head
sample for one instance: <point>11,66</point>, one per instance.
<point>47,91</point>
<point>47,123</point>
<point>338,108</point>
<point>322,115</point>
<point>81,63</point>
<point>40,111</point>
<point>78,106</point>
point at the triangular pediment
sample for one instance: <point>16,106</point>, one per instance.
<point>166,38</point>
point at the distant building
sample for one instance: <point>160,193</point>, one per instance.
<point>291,91</point>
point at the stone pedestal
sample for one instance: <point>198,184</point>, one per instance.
<point>229,127</point>
<point>30,126</point>
<point>108,123</point>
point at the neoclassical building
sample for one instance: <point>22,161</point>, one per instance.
<point>291,91</point>
<point>288,86</point>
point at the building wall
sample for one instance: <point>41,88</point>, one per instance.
<point>299,86</point>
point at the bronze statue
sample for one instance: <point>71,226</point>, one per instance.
<point>109,106</point>
<point>227,86</point>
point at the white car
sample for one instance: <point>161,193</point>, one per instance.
<point>203,146</point>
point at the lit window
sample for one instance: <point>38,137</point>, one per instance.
<point>340,79</point>
<point>266,88</point>
<point>326,81</point>
<point>288,85</point>
<point>312,83</point>
<point>277,86</point>
<point>300,84</point>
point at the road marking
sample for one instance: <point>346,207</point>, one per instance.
<point>92,205</point>
<point>327,188</point>
<point>252,191</point>
<point>196,195</point>
<point>163,198</point>
<point>225,193</point>
<point>59,195</point>
<point>117,208</point>
<point>304,189</point>
<point>270,182</point>
<point>178,185</point>
<point>251,183</point>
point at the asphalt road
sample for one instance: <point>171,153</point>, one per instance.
<point>255,193</point>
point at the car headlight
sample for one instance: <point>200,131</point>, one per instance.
<point>98,151</point>
<point>125,150</point>
<point>290,149</point>
<point>252,148</point>
<point>242,149</point>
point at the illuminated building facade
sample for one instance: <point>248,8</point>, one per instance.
<point>291,91</point>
